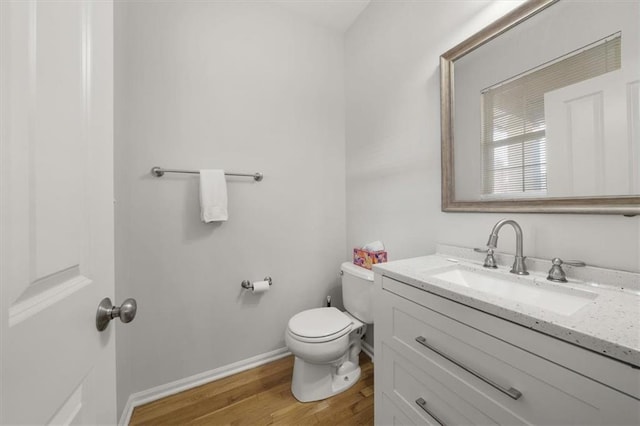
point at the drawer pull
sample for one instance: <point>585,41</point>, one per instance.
<point>423,404</point>
<point>511,392</point>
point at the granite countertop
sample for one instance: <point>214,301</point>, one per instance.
<point>609,323</point>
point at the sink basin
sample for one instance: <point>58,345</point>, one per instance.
<point>526,290</point>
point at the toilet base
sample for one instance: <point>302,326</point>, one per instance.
<point>313,382</point>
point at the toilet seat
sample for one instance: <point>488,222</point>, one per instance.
<point>319,325</point>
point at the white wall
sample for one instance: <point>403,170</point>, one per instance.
<point>241,86</point>
<point>393,145</point>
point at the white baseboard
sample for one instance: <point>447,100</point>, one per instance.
<point>367,349</point>
<point>146,396</point>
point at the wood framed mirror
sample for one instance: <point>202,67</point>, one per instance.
<point>540,112</point>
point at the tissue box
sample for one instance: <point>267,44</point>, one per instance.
<point>366,258</point>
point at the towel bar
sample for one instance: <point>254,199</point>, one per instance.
<point>159,172</point>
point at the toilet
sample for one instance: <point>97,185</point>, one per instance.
<point>327,342</point>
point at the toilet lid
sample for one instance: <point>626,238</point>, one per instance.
<point>319,322</point>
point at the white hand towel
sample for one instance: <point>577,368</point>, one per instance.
<point>213,196</point>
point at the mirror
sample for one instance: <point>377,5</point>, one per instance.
<point>540,112</point>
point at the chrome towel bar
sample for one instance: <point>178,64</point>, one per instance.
<point>159,172</point>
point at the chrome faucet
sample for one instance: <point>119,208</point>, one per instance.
<point>519,267</point>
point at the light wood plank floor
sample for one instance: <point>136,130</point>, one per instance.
<point>261,396</point>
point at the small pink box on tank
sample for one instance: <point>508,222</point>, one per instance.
<point>369,254</point>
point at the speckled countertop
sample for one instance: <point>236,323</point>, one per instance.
<point>609,323</point>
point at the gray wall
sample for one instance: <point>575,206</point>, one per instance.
<point>241,86</point>
<point>393,145</point>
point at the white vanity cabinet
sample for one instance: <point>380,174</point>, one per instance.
<point>441,362</point>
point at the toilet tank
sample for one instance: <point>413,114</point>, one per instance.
<point>357,291</point>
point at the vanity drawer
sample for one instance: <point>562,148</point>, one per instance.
<point>425,398</point>
<point>388,413</point>
<point>490,374</point>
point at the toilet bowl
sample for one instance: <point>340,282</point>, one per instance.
<point>327,342</point>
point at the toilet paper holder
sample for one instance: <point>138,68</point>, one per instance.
<point>246,284</point>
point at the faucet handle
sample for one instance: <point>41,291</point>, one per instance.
<point>579,263</point>
<point>490,261</point>
<point>556,273</point>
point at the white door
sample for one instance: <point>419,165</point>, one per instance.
<point>593,136</point>
<point>56,112</point>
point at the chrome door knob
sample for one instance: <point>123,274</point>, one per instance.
<point>106,312</point>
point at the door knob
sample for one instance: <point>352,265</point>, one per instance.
<point>106,312</point>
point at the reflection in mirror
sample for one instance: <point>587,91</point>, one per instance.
<point>547,114</point>
<point>519,155</point>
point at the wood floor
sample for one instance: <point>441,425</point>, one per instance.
<point>261,396</point>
